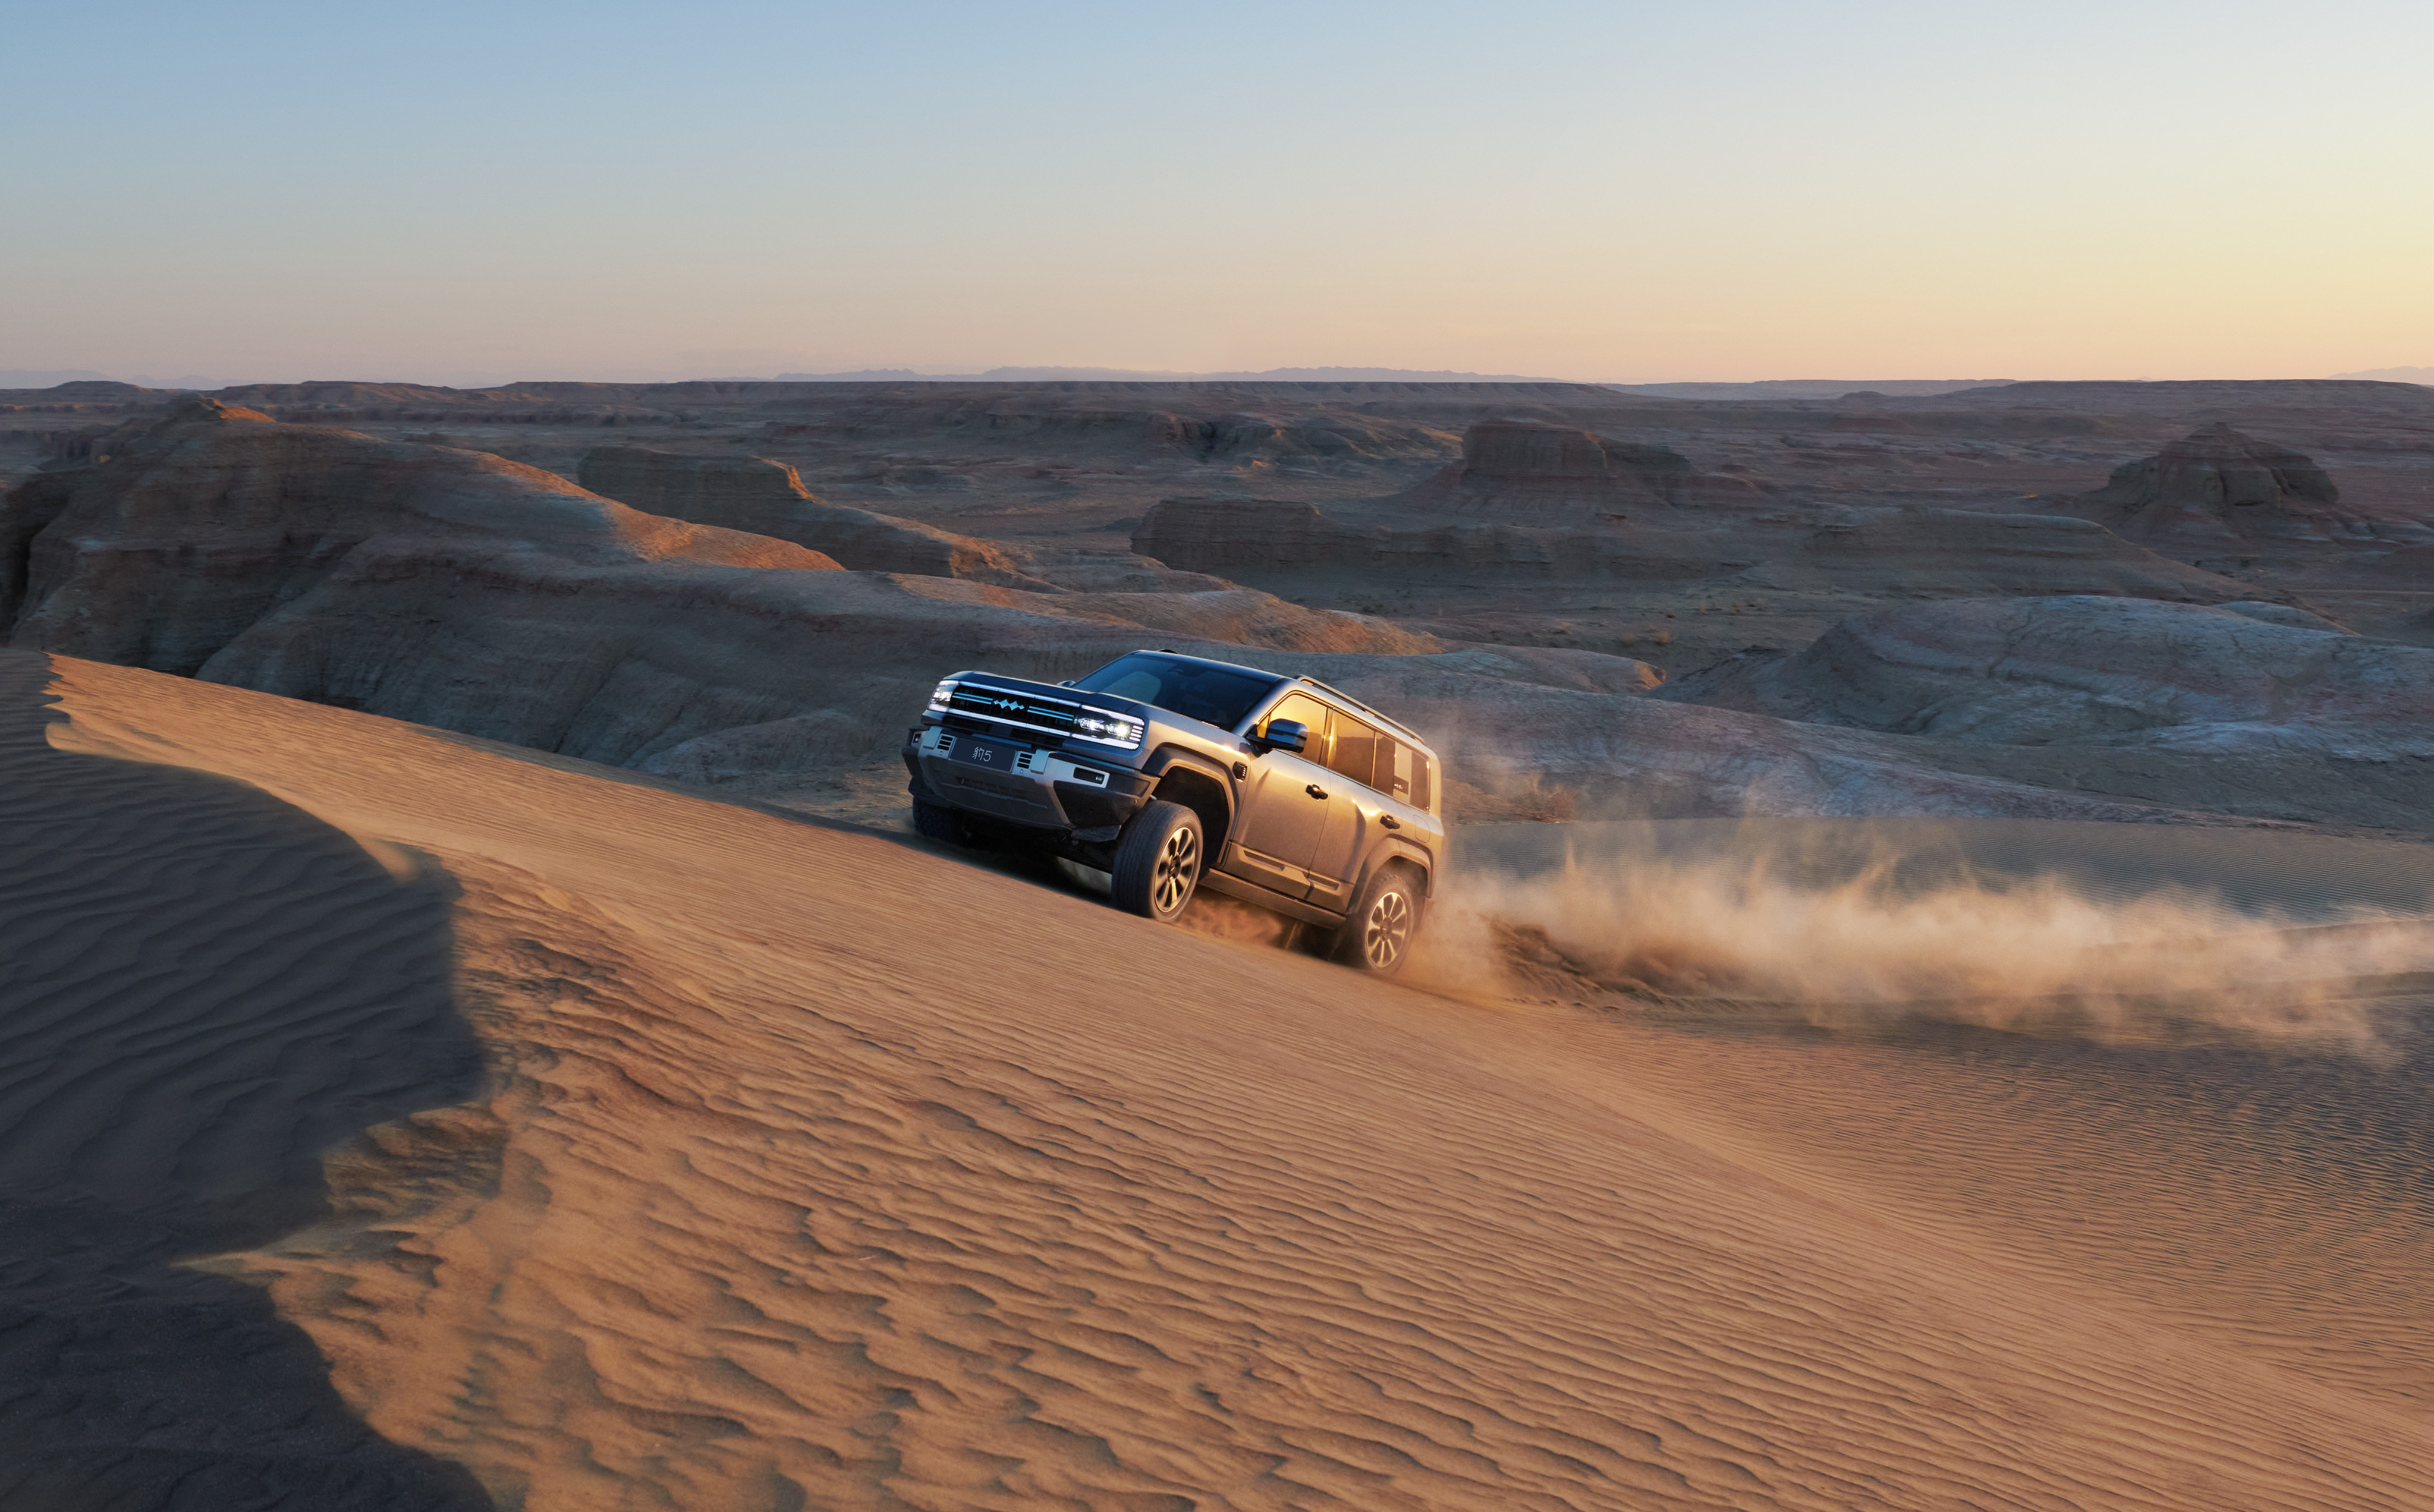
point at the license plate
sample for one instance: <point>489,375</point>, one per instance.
<point>995,755</point>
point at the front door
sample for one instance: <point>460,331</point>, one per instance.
<point>1285,813</point>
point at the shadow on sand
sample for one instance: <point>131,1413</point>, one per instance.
<point>201,989</point>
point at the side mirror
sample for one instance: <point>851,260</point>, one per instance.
<point>1284,735</point>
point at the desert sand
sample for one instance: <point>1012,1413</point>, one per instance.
<point>1929,1012</point>
<point>750,1160</point>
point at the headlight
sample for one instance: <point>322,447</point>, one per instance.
<point>941,694</point>
<point>1108,729</point>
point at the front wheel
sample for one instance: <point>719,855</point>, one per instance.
<point>1158,861</point>
<point>1377,936</point>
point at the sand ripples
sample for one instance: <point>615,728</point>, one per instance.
<point>200,989</point>
<point>822,1171</point>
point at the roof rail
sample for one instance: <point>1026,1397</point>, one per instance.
<point>1382,719</point>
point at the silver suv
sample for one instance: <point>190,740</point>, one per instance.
<point>1174,772</point>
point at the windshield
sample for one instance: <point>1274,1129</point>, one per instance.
<point>1213,695</point>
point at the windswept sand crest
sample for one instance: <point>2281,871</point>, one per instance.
<point>200,989</point>
<point>822,1170</point>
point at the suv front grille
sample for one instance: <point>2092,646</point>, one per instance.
<point>998,729</point>
<point>1007,707</point>
<point>1052,721</point>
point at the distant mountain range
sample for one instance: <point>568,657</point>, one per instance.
<point>1770,388</point>
<point>49,378</point>
<point>1058,375</point>
<point>2395,375</point>
<point>1814,387</point>
<point>1760,389</point>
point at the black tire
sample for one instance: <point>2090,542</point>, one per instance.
<point>1378,934</point>
<point>1159,862</point>
<point>936,820</point>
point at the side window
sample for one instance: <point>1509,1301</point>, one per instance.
<point>1403,774</point>
<point>1355,754</point>
<point>1309,713</point>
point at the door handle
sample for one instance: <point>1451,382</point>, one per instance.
<point>1315,790</point>
<point>1390,822</point>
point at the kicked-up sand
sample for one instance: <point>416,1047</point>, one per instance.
<point>414,1121</point>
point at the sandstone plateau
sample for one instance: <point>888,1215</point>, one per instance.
<point>1525,466</point>
<point>2251,708</point>
<point>2217,486</point>
<point>452,589</point>
<point>768,499</point>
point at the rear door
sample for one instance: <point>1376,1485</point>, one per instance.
<point>1351,811</point>
<point>1380,783</point>
<point>1286,803</point>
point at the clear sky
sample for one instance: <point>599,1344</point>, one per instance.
<point>1699,189</point>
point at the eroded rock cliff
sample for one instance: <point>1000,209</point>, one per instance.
<point>1960,552</point>
<point>2217,486</point>
<point>768,499</point>
<point>460,590</point>
<point>457,589</point>
<point>2251,708</point>
<point>205,523</point>
<point>1902,550</point>
<point>1532,467</point>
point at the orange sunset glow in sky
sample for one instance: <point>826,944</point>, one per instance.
<point>1619,191</point>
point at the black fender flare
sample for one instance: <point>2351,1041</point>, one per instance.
<point>1394,848</point>
<point>1168,760</point>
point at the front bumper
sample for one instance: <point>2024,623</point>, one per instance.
<point>1043,789</point>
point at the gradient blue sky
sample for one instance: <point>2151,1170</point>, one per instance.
<point>1734,188</point>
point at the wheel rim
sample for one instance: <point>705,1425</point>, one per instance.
<point>1178,867</point>
<point>1387,928</point>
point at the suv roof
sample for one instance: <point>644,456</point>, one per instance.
<point>1405,730</point>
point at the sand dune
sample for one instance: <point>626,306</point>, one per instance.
<point>200,989</point>
<point>816,1168</point>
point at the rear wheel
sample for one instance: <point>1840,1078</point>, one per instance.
<point>1158,861</point>
<point>936,820</point>
<point>1377,936</point>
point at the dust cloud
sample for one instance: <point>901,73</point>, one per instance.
<point>1763,938</point>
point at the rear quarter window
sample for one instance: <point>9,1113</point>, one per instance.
<point>1406,774</point>
<point>1394,767</point>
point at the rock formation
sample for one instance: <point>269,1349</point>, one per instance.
<point>1960,552</point>
<point>2217,486</point>
<point>457,589</point>
<point>1245,616</point>
<point>1901,549</point>
<point>206,523</point>
<point>2224,708</point>
<point>768,499</point>
<point>1626,754</point>
<point>460,591</point>
<point>1255,535</point>
<point>1227,534</point>
<point>1530,466</point>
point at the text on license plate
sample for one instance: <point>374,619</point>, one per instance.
<point>995,755</point>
